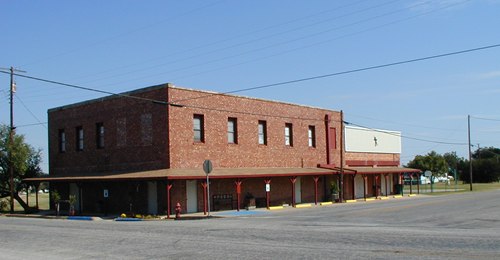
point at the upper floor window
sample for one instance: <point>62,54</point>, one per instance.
<point>62,141</point>
<point>288,134</point>
<point>198,126</point>
<point>311,133</point>
<point>232,131</point>
<point>262,132</point>
<point>99,129</point>
<point>79,138</point>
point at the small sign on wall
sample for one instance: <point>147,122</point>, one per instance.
<point>106,193</point>
<point>268,187</point>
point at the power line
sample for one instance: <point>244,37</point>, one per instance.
<point>486,119</point>
<point>403,136</point>
<point>347,72</point>
<point>32,114</point>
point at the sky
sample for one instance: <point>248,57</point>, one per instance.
<point>223,46</point>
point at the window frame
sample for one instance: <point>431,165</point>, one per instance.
<point>262,124</point>
<point>61,136</point>
<point>232,130</point>
<point>311,136</point>
<point>201,129</point>
<point>99,129</point>
<point>80,136</point>
<point>289,135</point>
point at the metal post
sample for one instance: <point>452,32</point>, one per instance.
<point>208,196</point>
<point>11,141</point>
<point>470,153</point>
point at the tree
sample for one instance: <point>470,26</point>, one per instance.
<point>25,161</point>
<point>433,162</point>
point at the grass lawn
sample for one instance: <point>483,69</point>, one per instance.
<point>440,187</point>
<point>43,202</point>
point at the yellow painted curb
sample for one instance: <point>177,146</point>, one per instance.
<point>383,198</point>
<point>412,195</point>
<point>370,199</point>
<point>398,196</point>
<point>275,207</point>
<point>350,201</point>
<point>303,205</point>
<point>325,203</point>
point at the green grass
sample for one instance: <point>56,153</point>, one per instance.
<point>461,187</point>
<point>43,202</point>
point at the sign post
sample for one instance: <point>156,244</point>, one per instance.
<point>207,168</point>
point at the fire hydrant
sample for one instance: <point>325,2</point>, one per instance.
<point>178,210</point>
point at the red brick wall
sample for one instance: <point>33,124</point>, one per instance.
<point>247,152</point>
<point>134,153</point>
<point>371,159</point>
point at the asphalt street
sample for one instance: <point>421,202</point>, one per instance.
<point>454,226</point>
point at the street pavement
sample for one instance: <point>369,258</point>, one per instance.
<point>454,226</point>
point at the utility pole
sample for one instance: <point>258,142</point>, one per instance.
<point>11,136</point>
<point>342,150</point>
<point>470,153</point>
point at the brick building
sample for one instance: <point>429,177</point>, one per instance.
<point>142,151</point>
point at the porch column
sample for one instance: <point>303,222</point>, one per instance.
<point>27,195</point>
<point>365,180</point>
<point>316,179</point>
<point>293,180</point>
<point>411,183</point>
<point>205,205</point>
<point>353,186</point>
<point>238,193</point>
<point>267,181</point>
<point>377,189</point>
<point>386,176</point>
<point>418,183</point>
<point>37,185</point>
<point>401,183</point>
<point>169,186</point>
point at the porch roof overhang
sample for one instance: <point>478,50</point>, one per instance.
<point>186,174</point>
<point>379,170</point>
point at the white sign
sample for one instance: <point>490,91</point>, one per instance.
<point>366,140</point>
<point>106,193</point>
<point>428,173</point>
<point>268,187</point>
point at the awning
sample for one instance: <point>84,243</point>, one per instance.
<point>379,170</point>
<point>187,174</point>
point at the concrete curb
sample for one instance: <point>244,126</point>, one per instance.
<point>351,201</point>
<point>305,205</point>
<point>326,203</point>
<point>275,207</point>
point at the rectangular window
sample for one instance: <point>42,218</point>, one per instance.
<point>79,138</point>
<point>62,141</point>
<point>198,126</point>
<point>288,134</point>
<point>99,137</point>
<point>232,131</point>
<point>311,133</point>
<point>263,132</point>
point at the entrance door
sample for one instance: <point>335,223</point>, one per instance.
<point>152,198</point>
<point>192,197</point>
<point>73,190</point>
<point>298,189</point>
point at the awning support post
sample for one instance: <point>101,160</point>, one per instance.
<point>205,203</point>
<point>316,179</point>
<point>238,193</point>
<point>293,180</point>
<point>267,181</point>
<point>169,187</point>
<point>365,180</point>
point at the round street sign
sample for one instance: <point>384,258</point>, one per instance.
<point>427,173</point>
<point>207,166</point>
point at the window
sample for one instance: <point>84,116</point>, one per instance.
<point>79,138</point>
<point>288,134</point>
<point>99,137</point>
<point>198,128</point>
<point>311,133</point>
<point>62,141</point>
<point>232,131</point>
<point>263,132</point>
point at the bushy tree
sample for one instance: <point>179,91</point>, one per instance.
<point>433,162</point>
<point>25,161</point>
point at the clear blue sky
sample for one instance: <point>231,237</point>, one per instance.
<point>227,45</point>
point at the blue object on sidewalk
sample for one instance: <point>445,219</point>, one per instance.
<point>80,218</point>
